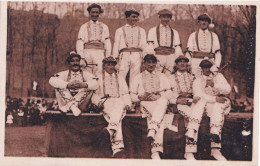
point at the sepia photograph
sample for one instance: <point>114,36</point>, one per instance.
<point>139,81</point>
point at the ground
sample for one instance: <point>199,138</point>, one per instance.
<point>25,141</point>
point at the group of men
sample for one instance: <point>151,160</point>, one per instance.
<point>154,83</point>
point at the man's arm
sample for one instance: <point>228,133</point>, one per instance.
<point>221,84</point>
<point>58,81</point>
<point>81,41</point>
<point>107,41</point>
<point>116,43</point>
<point>177,44</point>
<point>216,47</point>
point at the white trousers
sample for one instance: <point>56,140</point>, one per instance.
<point>130,61</point>
<point>66,100</point>
<point>155,111</point>
<point>114,113</point>
<point>165,61</point>
<point>216,112</point>
<point>94,56</point>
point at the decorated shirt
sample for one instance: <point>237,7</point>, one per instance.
<point>93,32</point>
<point>129,36</point>
<point>180,83</point>
<point>221,86</point>
<point>151,83</point>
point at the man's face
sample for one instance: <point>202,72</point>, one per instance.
<point>150,65</point>
<point>74,64</point>
<point>132,19</point>
<point>182,65</point>
<point>109,67</point>
<point>165,19</point>
<point>203,24</point>
<point>94,14</point>
<point>206,71</point>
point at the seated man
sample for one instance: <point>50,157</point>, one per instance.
<point>73,87</point>
<point>211,88</point>
<point>181,84</point>
<point>152,90</point>
<point>113,96</point>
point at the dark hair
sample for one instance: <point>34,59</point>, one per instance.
<point>94,6</point>
<point>72,55</point>
<point>204,17</point>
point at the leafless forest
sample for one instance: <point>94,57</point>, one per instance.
<point>40,35</point>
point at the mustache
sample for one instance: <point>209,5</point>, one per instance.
<point>76,65</point>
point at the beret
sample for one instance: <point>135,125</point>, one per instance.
<point>206,63</point>
<point>204,17</point>
<point>131,11</point>
<point>150,57</point>
<point>165,12</point>
<point>109,59</point>
<point>181,57</point>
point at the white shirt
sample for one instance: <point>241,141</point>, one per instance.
<point>134,36</point>
<point>61,79</point>
<point>165,38</point>
<point>149,82</point>
<point>221,86</point>
<point>93,31</point>
<point>205,44</point>
<point>112,88</point>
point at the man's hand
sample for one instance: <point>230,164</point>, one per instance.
<point>210,83</point>
<point>100,105</point>
<point>182,101</point>
<point>82,85</point>
<point>127,108</point>
<point>73,85</point>
<point>220,99</point>
<point>196,99</point>
<point>143,97</point>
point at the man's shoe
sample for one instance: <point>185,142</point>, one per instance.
<point>120,154</point>
<point>155,156</point>
<point>215,138</point>
<point>217,155</point>
<point>190,134</point>
<point>189,156</point>
<point>75,110</point>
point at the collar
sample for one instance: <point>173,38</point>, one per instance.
<point>207,77</point>
<point>201,31</point>
<point>161,25</point>
<point>128,25</point>
<point>180,73</point>
<point>147,72</point>
<point>108,75</point>
<point>76,73</point>
<point>92,22</point>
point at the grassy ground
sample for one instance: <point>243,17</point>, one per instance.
<point>25,141</point>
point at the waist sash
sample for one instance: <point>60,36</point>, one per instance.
<point>164,50</point>
<point>132,49</point>
<point>94,45</point>
<point>203,54</point>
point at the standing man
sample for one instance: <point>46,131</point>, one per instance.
<point>152,89</point>
<point>211,89</point>
<point>93,42</point>
<point>113,97</point>
<point>73,87</point>
<point>165,42</point>
<point>181,83</point>
<point>130,41</point>
<point>203,43</point>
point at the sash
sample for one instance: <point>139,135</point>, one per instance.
<point>201,54</point>
<point>132,49</point>
<point>94,45</point>
<point>164,50</point>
